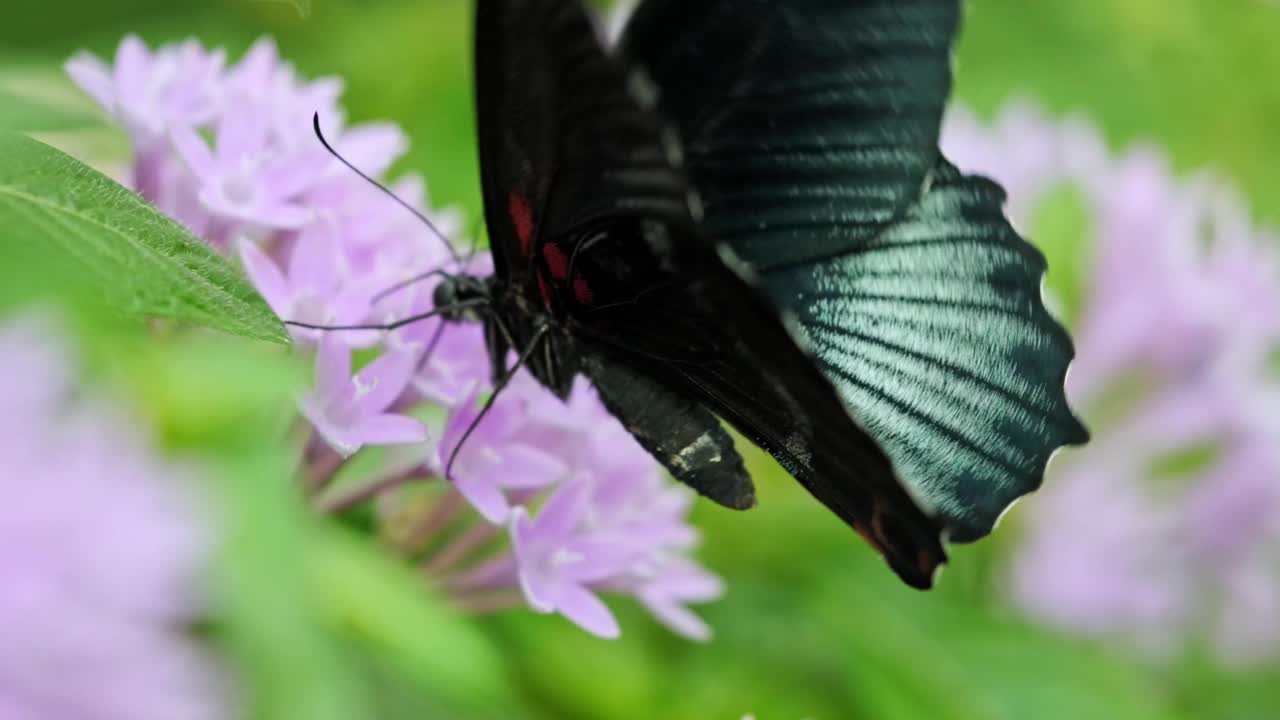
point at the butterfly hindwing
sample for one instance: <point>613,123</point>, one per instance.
<point>813,142</point>
<point>679,316</point>
<point>935,332</point>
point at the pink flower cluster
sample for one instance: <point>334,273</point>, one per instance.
<point>1167,526</point>
<point>228,150</point>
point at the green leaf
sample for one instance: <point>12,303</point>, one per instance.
<point>620,680</point>
<point>57,212</point>
<point>22,112</point>
<point>288,666</point>
<point>38,96</point>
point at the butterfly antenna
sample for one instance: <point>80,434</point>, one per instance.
<point>502,383</point>
<point>398,323</point>
<point>315,124</point>
<point>466,262</point>
<point>411,281</point>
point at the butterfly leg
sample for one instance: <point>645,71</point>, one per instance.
<point>431,346</point>
<point>435,312</point>
<point>680,433</point>
<point>539,335</point>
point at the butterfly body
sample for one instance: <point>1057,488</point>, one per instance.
<point>741,214</point>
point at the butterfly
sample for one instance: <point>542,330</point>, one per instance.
<point>739,212</point>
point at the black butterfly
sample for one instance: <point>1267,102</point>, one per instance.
<point>741,211</point>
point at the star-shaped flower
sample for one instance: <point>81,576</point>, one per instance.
<point>495,458</point>
<point>557,564</point>
<point>246,180</point>
<point>351,412</point>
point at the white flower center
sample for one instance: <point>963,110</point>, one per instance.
<point>238,189</point>
<point>563,557</point>
<point>364,387</point>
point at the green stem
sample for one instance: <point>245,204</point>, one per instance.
<point>457,549</point>
<point>443,513</point>
<point>345,501</point>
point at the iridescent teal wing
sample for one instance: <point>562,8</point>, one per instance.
<point>810,131</point>
<point>808,124</point>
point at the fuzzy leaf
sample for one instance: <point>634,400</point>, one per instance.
<point>132,257</point>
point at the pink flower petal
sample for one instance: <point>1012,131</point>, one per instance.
<point>258,65</point>
<point>522,532</point>
<point>688,582</point>
<point>131,67</point>
<point>598,558</point>
<point>316,259</point>
<point>284,216</point>
<point>372,147</point>
<point>336,435</point>
<point>382,381</point>
<point>446,391</point>
<point>333,366</point>
<point>94,77</point>
<point>195,154</point>
<point>588,611</point>
<point>526,467</point>
<point>485,497</point>
<point>240,135</point>
<point>267,278</point>
<point>563,510</point>
<point>292,174</point>
<point>679,618</point>
<point>389,429</point>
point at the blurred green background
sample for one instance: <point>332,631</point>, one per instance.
<point>813,626</point>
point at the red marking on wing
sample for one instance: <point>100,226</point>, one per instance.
<point>582,291</point>
<point>522,219</point>
<point>557,263</point>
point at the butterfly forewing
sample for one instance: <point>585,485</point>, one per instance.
<point>825,113</point>
<point>514,102</point>
<point>561,139</point>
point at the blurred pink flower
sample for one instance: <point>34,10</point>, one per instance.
<point>1167,525</point>
<point>101,550</point>
<point>151,93</point>
<point>272,87</point>
<point>1014,149</point>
